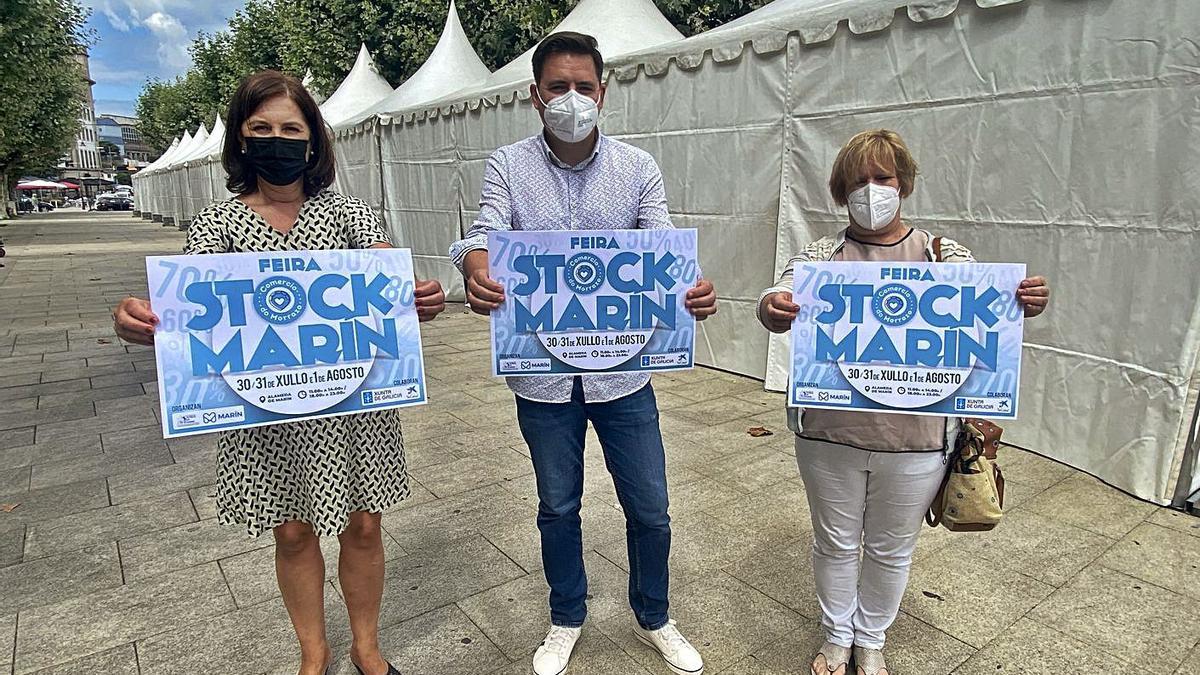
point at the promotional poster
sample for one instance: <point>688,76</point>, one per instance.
<point>916,338</point>
<point>249,339</point>
<point>592,302</point>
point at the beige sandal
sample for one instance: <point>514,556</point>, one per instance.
<point>869,661</point>
<point>836,657</point>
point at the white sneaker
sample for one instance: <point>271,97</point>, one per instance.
<point>552,656</point>
<point>681,657</point>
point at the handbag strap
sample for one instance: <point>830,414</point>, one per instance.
<point>990,435</point>
<point>933,515</point>
<point>937,249</point>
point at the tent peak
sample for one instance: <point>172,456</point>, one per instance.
<point>363,87</point>
<point>619,26</point>
<point>452,66</point>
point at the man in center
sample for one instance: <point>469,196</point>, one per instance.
<point>572,177</point>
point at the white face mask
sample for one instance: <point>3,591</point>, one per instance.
<point>570,117</point>
<point>874,206</point>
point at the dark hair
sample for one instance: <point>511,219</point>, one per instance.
<point>255,90</point>
<point>567,42</point>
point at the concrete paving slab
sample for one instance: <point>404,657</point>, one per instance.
<point>56,578</point>
<point>113,561</point>
<point>1124,616</point>
<point>86,624</point>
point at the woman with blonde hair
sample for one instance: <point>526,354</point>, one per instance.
<point>869,476</point>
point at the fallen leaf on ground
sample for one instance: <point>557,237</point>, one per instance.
<point>103,341</point>
<point>935,596</point>
<point>760,431</point>
<point>8,508</point>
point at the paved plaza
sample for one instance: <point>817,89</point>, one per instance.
<point>111,561</point>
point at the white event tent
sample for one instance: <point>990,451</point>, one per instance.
<point>177,176</point>
<point>619,26</point>
<point>189,176</point>
<point>159,180</point>
<point>198,168</point>
<point>143,195</point>
<point>362,88</point>
<point>452,66</point>
<point>432,169</point>
<point>142,191</point>
<point>362,169</point>
<point>1011,108</point>
<point>1057,133</point>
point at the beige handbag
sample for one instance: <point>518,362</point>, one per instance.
<point>971,498</point>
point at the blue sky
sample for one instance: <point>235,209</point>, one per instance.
<point>140,39</point>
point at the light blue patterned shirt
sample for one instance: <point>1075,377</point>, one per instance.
<point>525,187</point>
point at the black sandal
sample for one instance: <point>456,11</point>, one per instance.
<point>390,671</point>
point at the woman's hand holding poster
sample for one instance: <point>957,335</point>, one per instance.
<point>916,338</point>
<point>248,339</point>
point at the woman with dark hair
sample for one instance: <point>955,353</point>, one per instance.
<point>312,478</point>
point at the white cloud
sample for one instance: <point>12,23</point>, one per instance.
<point>144,8</point>
<point>115,20</point>
<point>164,24</point>
<point>172,39</point>
<point>154,35</point>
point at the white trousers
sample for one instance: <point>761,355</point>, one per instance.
<point>868,503</point>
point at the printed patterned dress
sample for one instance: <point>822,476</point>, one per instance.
<point>316,471</point>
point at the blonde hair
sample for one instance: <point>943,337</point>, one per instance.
<point>879,146</point>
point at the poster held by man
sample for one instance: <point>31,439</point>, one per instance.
<point>593,301</point>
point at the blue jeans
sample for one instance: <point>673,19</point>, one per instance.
<point>633,452</point>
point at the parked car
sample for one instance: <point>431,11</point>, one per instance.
<point>27,205</point>
<point>113,202</point>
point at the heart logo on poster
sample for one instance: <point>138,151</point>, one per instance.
<point>280,299</point>
<point>895,304</point>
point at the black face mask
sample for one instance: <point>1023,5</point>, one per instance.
<point>277,160</point>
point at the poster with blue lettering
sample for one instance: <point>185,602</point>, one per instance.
<point>249,339</point>
<point>592,302</point>
<point>915,338</point>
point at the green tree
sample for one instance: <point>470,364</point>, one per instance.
<point>214,75</point>
<point>696,16</point>
<point>324,36</point>
<point>42,85</point>
<point>253,41</point>
<point>165,108</point>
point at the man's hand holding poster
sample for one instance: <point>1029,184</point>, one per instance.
<point>248,339</point>
<point>593,301</point>
<point>916,338</point>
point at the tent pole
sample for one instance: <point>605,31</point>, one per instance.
<point>1183,488</point>
<point>377,132</point>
